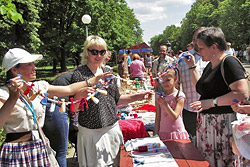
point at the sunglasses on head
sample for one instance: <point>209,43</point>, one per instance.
<point>96,52</point>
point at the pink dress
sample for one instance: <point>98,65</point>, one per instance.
<point>172,129</point>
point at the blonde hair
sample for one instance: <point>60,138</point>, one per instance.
<point>136,56</point>
<point>92,41</point>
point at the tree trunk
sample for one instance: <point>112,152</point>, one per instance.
<point>63,61</point>
<point>54,65</point>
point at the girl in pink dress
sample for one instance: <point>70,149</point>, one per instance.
<point>169,105</point>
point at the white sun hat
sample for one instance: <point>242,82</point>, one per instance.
<point>241,134</point>
<point>16,55</point>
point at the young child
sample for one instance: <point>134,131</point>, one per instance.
<point>241,141</point>
<point>169,105</point>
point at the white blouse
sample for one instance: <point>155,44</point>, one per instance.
<point>21,118</point>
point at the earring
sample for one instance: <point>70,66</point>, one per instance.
<point>213,54</point>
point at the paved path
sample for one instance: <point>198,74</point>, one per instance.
<point>247,66</point>
<point>71,158</point>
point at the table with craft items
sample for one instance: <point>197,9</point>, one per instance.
<point>183,151</point>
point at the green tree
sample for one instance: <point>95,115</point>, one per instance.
<point>199,15</point>
<point>170,34</point>
<point>9,9</point>
<point>232,16</point>
<point>155,43</point>
<point>63,33</point>
<point>17,34</point>
<point>235,22</point>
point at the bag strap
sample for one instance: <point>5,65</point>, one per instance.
<point>223,71</point>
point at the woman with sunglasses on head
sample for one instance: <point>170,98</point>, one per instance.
<point>22,113</point>
<point>100,137</point>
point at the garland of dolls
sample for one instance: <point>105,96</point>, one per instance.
<point>54,101</point>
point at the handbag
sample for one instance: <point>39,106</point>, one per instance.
<point>245,72</point>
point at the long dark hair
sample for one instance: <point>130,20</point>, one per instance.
<point>9,74</point>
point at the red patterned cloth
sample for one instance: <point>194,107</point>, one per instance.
<point>147,107</point>
<point>132,129</point>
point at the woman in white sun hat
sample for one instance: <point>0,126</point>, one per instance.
<point>19,112</point>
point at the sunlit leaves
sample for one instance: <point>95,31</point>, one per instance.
<point>8,8</point>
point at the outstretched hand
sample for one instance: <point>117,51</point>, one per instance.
<point>83,92</point>
<point>103,76</point>
<point>146,95</point>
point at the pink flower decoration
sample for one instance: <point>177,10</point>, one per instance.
<point>242,126</point>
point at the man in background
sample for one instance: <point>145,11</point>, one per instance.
<point>230,51</point>
<point>190,116</point>
<point>160,64</point>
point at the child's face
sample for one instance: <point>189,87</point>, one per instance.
<point>168,81</point>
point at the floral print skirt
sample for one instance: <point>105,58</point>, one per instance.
<point>214,138</point>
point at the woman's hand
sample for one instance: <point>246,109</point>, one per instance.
<point>103,76</point>
<point>241,108</point>
<point>15,85</point>
<point>190,62</point>
<point>83,92</point>
<point>145,95</point>
<point>202,105</point>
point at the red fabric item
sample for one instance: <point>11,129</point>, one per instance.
<point>147,107</point>
<point>152,81</point>
<point>28,89</point>
<point>132,129</point>
<point>72,109</point>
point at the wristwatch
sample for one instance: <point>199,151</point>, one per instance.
<point>192,67</point>
<point>215,101</point>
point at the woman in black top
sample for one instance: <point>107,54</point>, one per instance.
<point>100,137</point>
<point>214,132</point>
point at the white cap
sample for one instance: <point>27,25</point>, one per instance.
<point>241,134</point>
<point>16,55</point>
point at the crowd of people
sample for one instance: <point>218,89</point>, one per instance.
<point>197,96</point>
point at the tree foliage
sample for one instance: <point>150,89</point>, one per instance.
<point>232,16</point>
<point>235,22</point>
<point>54,28</point>
<point>17,34</point>
<point>63,33</point>
<point>9,9</point>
